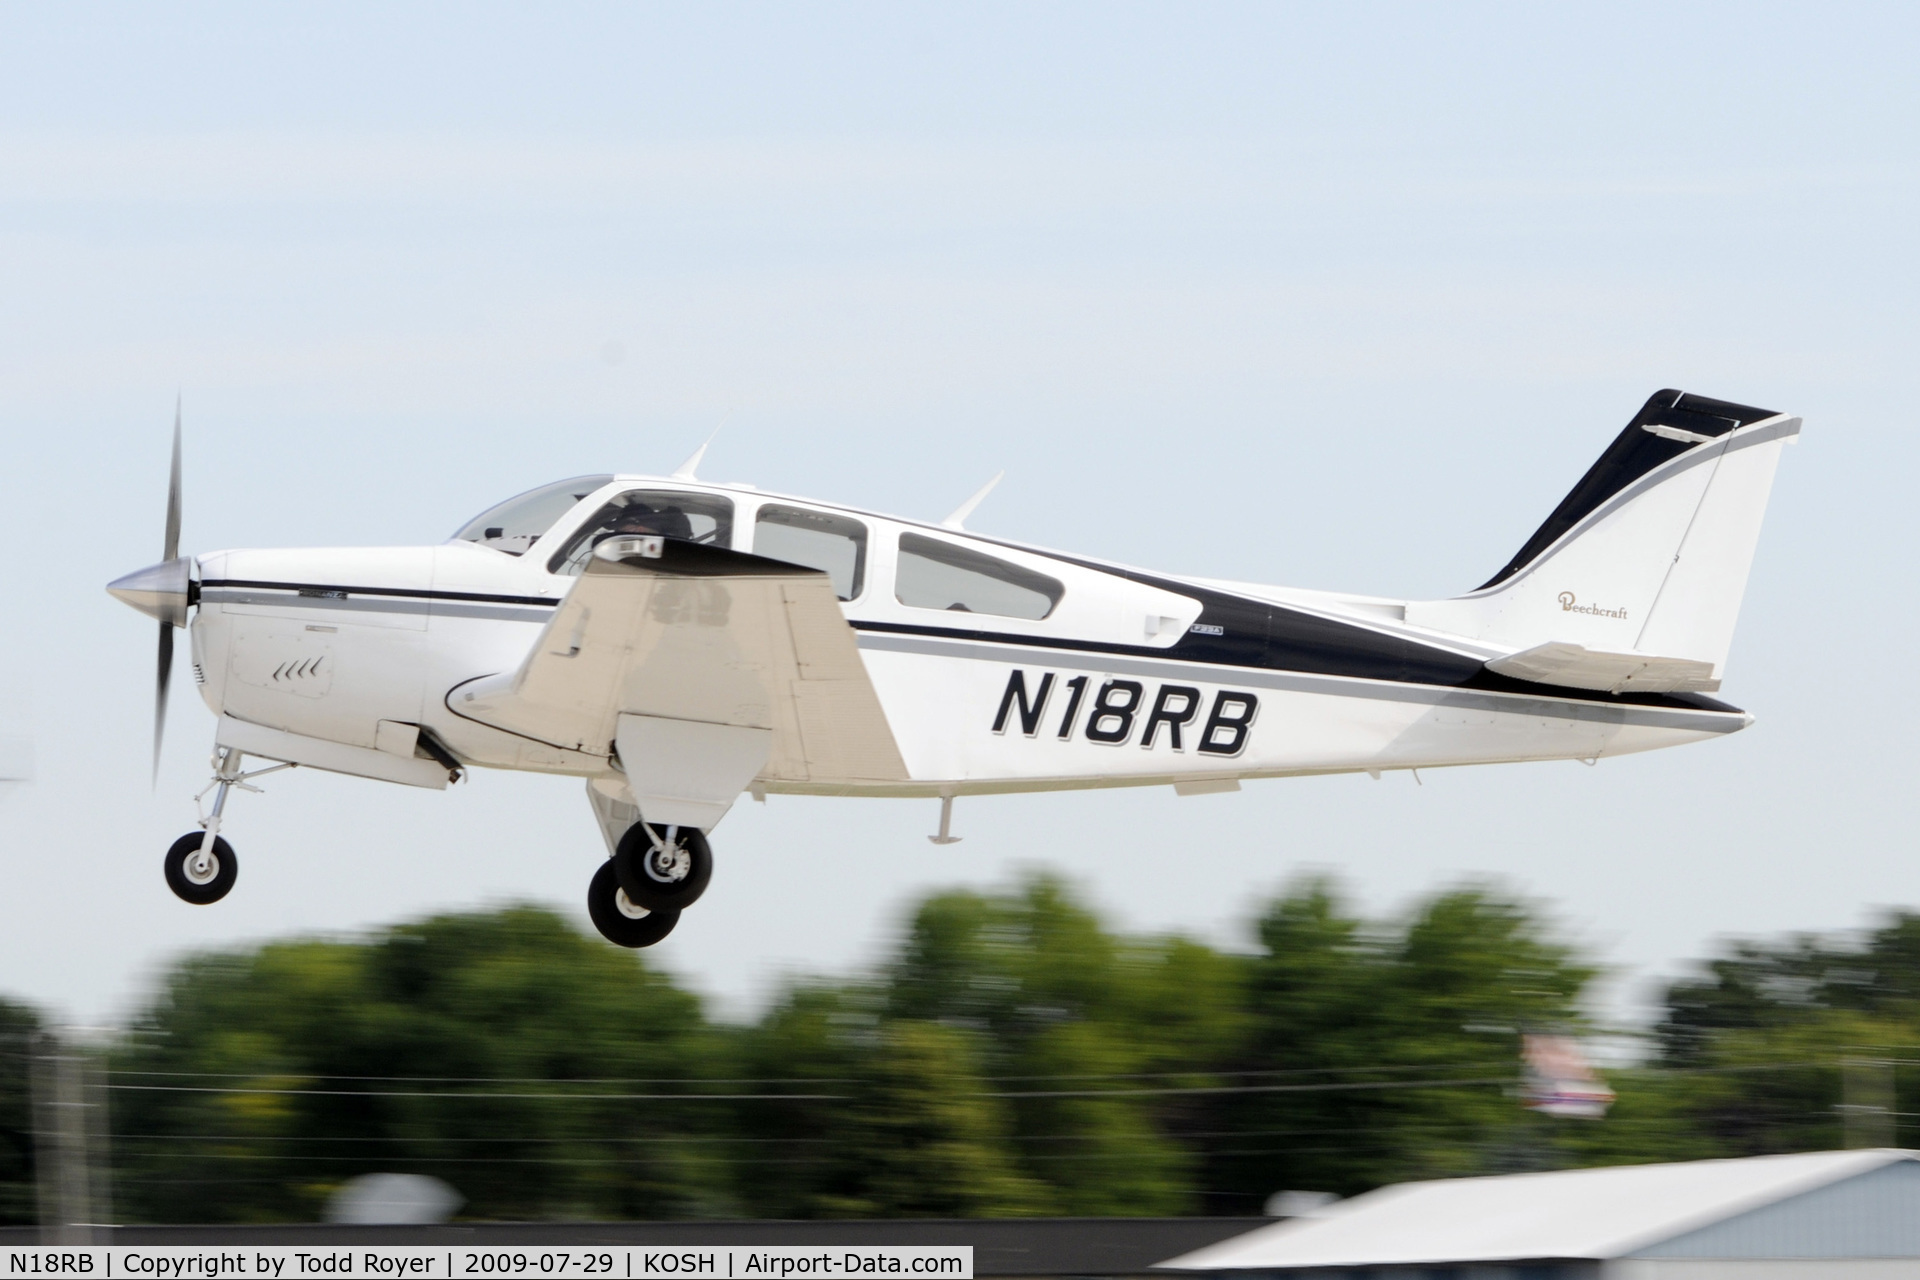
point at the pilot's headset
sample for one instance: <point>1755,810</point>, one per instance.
<point>673,522</point>
<point>640,517</point>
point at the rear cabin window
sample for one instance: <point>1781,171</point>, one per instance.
<point>942,575</point>
<point>690,517</point>
<point>517,523</point>
<point>835,544</point>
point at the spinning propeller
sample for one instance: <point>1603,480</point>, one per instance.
<point>163,591</point>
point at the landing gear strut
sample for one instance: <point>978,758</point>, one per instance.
<point>200,866</point>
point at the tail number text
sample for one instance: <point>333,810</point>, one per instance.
<point>1120,711</point>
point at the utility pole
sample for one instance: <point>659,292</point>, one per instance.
<point>69,1141</point>
<point>1866,1101</point>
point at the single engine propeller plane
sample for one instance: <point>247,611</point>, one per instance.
<point>677,643</point>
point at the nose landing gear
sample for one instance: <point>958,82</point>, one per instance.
<point>199,870</point>
<point>200,866</point>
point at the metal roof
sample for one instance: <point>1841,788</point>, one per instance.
<point>1568,1214</point>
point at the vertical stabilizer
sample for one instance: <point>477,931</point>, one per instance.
<point>1646,557</point>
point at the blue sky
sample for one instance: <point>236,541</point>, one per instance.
<point>1333,296</point>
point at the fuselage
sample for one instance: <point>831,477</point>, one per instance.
<point>1000,667</point>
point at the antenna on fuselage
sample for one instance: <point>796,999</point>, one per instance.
<point>685,471</point>
<point>958,519</point>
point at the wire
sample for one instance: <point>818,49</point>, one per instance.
<point>304,1075</point>
<point>1162,1091</point>
<point>432,1139</point>
<point>449,1093</point>
<point>813,1080</point>
<point>1253,1088</point>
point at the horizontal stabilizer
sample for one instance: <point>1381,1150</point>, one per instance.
<point>1575,666</point>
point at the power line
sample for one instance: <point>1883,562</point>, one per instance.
<point>1253,1088</point>
<point>816,1080</point>
<point>307,1075</point>
<point>472,1094</point>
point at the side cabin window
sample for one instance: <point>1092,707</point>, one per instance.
<point>517,523</point>
<point>835,544</point>
<point>943,575</point>
<point>690,517</point>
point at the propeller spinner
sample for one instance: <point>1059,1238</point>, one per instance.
<point>163,591</point>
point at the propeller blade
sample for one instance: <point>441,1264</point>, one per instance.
<point>165,674</point>
<point>173,491</point>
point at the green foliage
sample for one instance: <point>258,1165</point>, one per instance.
<point>1014,1057</point>
<point>1796,981</point>
<point>1071,1016</point>
<point>497,1013</point>
<point>18,1026</point>
<point>921,1137</point>
<point>1379,1053</point>
<point>1756,1039</point>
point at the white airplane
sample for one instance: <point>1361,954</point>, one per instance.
<point>678,643</point>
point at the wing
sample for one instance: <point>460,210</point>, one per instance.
<point>699,669</point>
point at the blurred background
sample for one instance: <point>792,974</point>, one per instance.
<point>1340,297</point>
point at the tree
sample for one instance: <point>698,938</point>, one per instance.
<point>1082,1032</point>
<point>1762,1031</point>
<point>18,1195</point>
<point>1014,1056</point>
<point>922,1137</point>
<point>1379,1053</point>
<point>540,1073</point>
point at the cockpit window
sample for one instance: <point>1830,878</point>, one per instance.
<point>691,517</point>
<point>517,523</point>
<point>943,575</point>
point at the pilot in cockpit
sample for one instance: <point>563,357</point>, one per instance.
<point>639,517</point>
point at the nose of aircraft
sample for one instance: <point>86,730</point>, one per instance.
<point>160,591</point>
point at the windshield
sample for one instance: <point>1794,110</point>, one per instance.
<point>690,517</point>
<point>517,523</point>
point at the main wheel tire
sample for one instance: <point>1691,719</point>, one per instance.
<point>618,919</point>
<point>672,880</point>
<point>199,880</point>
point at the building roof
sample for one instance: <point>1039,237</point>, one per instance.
<point>1567,1214</point>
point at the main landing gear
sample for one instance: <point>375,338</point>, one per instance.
<point>657,871</point>
<point>200,866</point>
<point>617,917</point>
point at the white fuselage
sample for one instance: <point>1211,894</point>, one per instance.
<point>1130,678</point>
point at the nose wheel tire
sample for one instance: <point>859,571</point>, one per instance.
<point>617,917</point>
<point>670,875</point>
<point>201,878</point>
